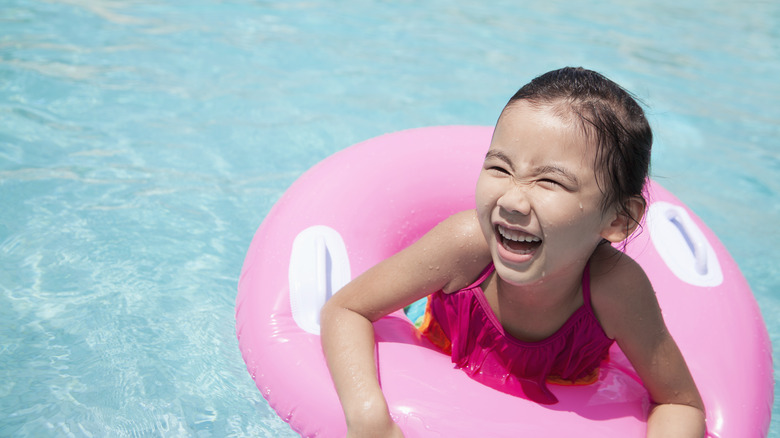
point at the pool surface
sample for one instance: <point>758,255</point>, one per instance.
<point>143,142</point>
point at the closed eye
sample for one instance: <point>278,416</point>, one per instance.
<point>558,176</point>
<point>554,184</point>
<point>498,169</point>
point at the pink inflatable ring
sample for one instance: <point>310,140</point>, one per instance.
<point>371,200</point>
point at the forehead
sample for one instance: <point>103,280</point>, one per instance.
<point>550,126</point>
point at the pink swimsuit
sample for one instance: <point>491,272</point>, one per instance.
<point>463,324</point>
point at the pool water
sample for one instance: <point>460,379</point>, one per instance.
<point>142,143</point>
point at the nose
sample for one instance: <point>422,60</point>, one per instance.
<point>516,200</point>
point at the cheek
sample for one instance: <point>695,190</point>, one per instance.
<point>485,200</point>
<point>484,194</point>
<point>555,208</point>
<point>569,215</point>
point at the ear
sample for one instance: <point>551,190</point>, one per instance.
<point>623,223</point>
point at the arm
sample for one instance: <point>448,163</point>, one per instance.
<point>348,344</point>
<point>628,310</point>
<point>448,257</point>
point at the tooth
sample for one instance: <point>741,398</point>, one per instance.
<point>517,236</point>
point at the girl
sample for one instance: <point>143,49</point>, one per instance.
<point>527,289</point>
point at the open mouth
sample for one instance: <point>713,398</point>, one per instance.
<point>518,242</point>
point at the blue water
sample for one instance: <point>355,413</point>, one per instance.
<point>143,142</point>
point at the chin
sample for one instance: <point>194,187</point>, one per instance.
<point>517,276</point>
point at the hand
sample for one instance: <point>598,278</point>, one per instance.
<point>676,421</point>
<point>376,425</point>
<point>392,432</point>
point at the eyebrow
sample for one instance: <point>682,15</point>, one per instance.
<point>546,169</point>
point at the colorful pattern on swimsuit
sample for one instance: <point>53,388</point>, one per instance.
<point>463,325</point>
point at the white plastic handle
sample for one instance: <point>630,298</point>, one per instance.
<point>681,244</point>
<point>319,267</point>
<point>694,240</point>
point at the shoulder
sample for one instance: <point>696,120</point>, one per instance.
<point>457,243</point>
<point>621,292</point>
<point>459,231</point>
<point>465,222</point>
<point>612,270</point>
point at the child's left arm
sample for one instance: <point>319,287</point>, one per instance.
<point>629,313</point>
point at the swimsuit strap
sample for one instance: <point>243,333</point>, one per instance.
<point>485,274</point>
<point>586,286</point>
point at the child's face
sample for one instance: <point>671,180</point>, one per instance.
<point>538,201</point>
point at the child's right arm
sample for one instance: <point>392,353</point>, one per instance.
<point>447,258</point>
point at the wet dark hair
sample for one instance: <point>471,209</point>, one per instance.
<point>608,114</point>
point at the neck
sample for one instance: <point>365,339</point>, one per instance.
<point>553,291</point>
